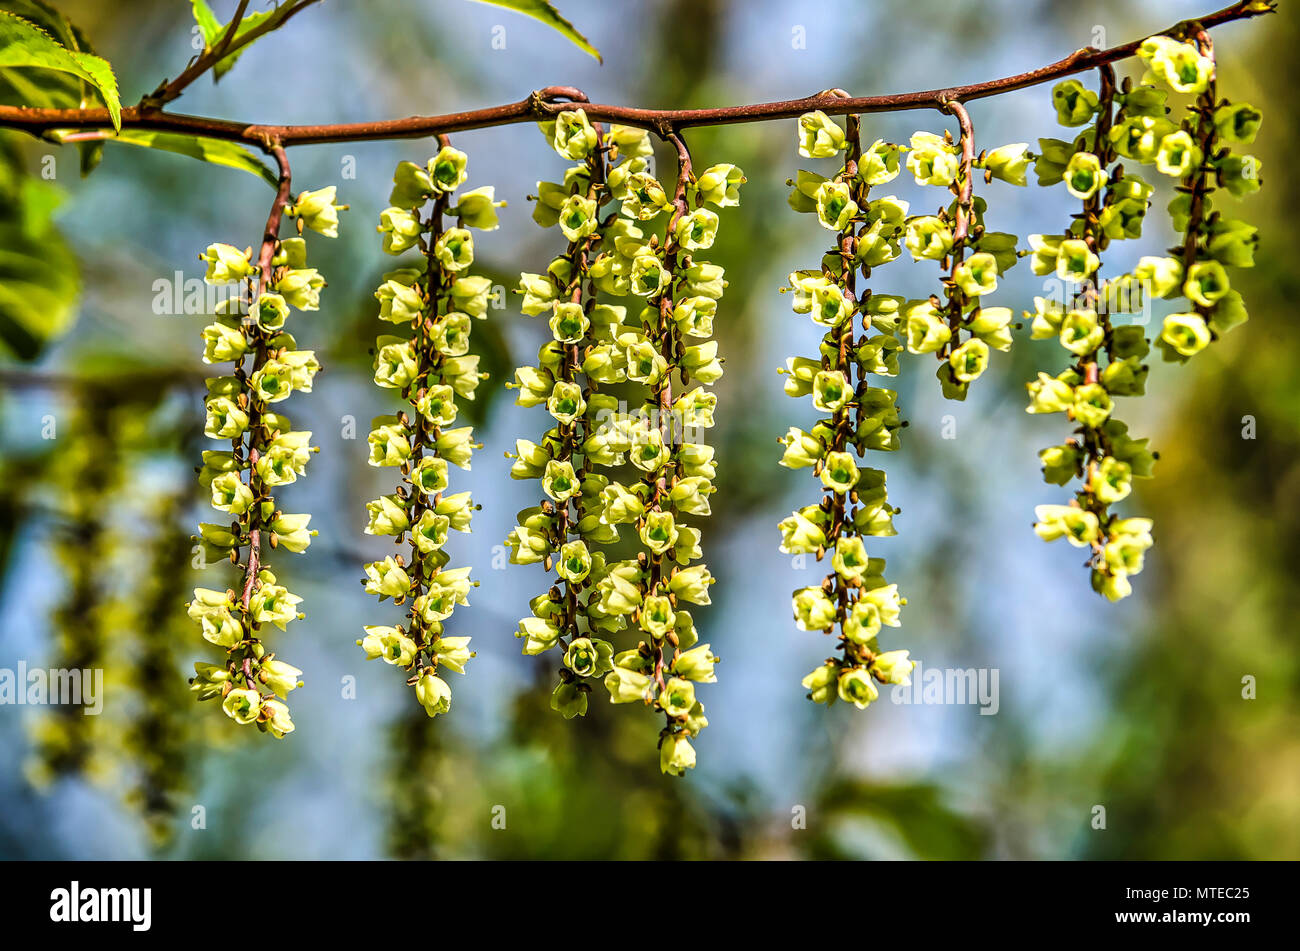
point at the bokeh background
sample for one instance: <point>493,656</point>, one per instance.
<point>1136,707</point>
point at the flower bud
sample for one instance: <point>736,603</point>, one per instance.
<point>1077,526</point>
<point>676,755</point>
<point>433,693</point>
<point>1074,102</point>
<point>1009,162</point>
<point>893,667</point>
<point>400,228</point>
<point>478,209</point>
<point>279,676</point>
<point>822,684</point>
<point>318,211</point>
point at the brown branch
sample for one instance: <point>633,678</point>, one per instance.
<point>270,238</point>
<point>227,45</point>
<point>966,193</point>
<point>204,61</point>
<point>544,104</point>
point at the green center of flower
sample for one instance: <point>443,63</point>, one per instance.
<point>445,172</point>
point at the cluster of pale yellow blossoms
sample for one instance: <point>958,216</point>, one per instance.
<point>627,303</point>
<point>1133,123</point>
<point>431,301</point>
<point>266,452</point>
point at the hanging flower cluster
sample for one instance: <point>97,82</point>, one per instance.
<point>1131,123</point>
<point>673,295</point>
<point>433,300</point>
<point>854,597</point>
<point>266,453</point>
<point>937,326</point>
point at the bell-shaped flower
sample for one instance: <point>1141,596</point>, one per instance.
<point>820,136</point>
<point>1179,156</point>
<point>932,159</point>
<point>389,442</point>
<point>969,360</point>
<point>432,693</point>
<point>1207,283</point>
<point>454,249</point>
<point>1074,102</point>
<point>927,238</point>
<point>478,209</point>
<point>697,230</point>
<point>388,515</point>
<point>821,684</point>
<point>1186,334</point>
<point>813,609</point>
<point>387,579</point>
<point>448,169</point>
<point>855,686</point>
<point>1009,162</point>
<point>1092,405</point>
<point>1077,526</point>
<point>242,705</point>
<point>893,667</point>
<point>1049,395</point>
<point>836,208</point>
<point>457,446</point>
<point>719,185</point>
<point>1178,65</point>
<point>578,217</point>
<point>1237,123</point>
<point>318,211</point>
<point>400,229</point>
<point>450,335</point>
<point>1084,175</point>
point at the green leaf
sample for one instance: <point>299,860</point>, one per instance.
<point>214,30</point>
<point>546,13</point>
<point>216,151</point>
<point>39,275</point>
<point>25,45</point>
<point>207,21</point>
<point>47,88</point>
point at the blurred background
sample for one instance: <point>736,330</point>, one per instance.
<point>1137,707</point>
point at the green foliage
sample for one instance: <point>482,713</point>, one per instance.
<point>214,31</point>
<point>39,274</point>
<point>216,151</point>
<point>545,12</point>
<point>24,45</point>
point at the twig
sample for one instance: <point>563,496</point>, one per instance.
<point>269,240</point>
<point>544,104</point>
<point>227,45</point>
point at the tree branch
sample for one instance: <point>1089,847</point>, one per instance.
<point>546,104</point>
<point>227,45</point>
